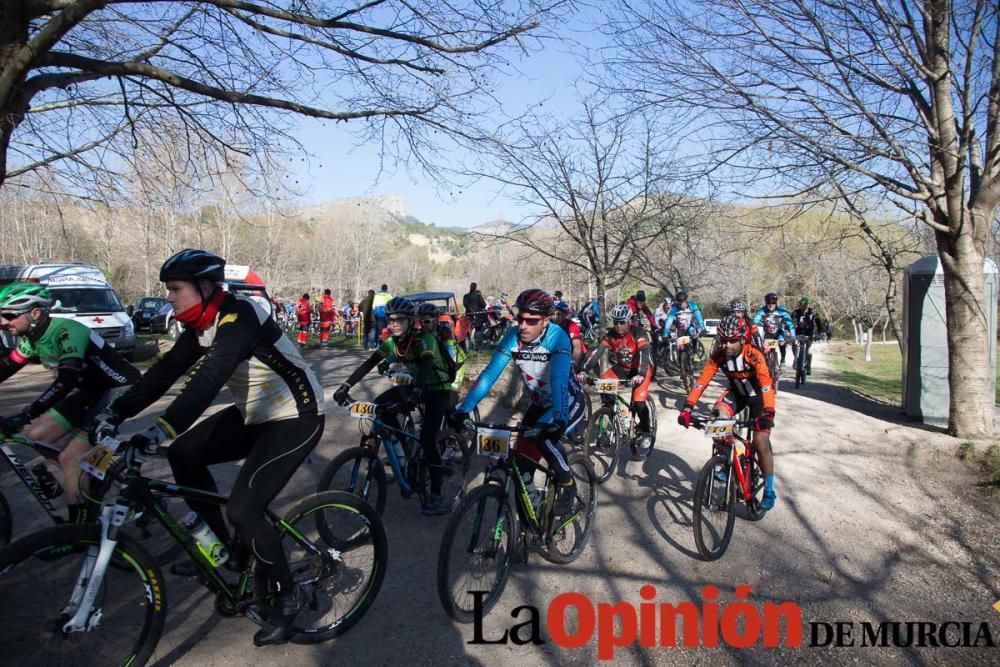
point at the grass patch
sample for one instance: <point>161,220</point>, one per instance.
<point>991,465</point>
<point>879,379</point>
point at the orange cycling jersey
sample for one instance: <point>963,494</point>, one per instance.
<point>747,375</point>
<point>628,352</point>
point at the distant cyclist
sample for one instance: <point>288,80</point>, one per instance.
<point>778,320</point>
<point>560,315</point>
<point>683,316</point>
<point>807,323</point>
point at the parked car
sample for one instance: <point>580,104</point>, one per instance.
<point>711,325</point>
<point>149,313</point>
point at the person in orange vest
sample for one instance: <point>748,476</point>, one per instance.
<point>327,313</point>
<point>303,313</point>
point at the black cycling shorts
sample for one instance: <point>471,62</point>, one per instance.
<point>79,408</point>
<point>729,404</point>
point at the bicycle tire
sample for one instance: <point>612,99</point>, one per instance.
<point>602,443</point>
<point>565,543</point>
<point>725,508</point>
<point>642,453</point>
<point>773,369</point>
<point>6,521</point>
<point>684,362</point>
<point>37,576</point>
<point>493,518</point>
<point>145,529</point>
<point>456,465</point>
<point>359,472</point>
<point>756,481</point>
<point>353,557</point>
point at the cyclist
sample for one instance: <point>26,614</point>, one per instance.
<point>87,371</point>
<point>628,347</point>
<point>505,306</point>
<point>778,318</point>
<point>327,315</point>
<point>303,315</point>
<point>560,315</point>
<point>541,351</point>
<point>683,316</point>
<point>418,351</point>
<point>738,307</point>
<point>660,314</point>
<point>749,386</point>
<point>440,327</point>
<point>807,323</point>
<point>590,316</point>
<point>275,422</point>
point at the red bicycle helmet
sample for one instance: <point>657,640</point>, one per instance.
<point>732,327</point>
<point>535,301</point>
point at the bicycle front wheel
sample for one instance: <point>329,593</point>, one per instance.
<point>337,554</point>
<point>476,552</point>
<point>38,574</point>
<point>756,482</point>
<point>602,443</point>
<point>714,508</point>
<point>358,471</point>
<point>456,459</point>
<point>686,370</point>
<point>567,540</point>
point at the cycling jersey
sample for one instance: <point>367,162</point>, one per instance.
<point>81,358</point>
<point>544,365</point>
<point>244,349</point>
<point>683,318</point>
<point>778,317</point>
<point>629,353</point>
<point>410,352</point>
<point>747,374</point>
<point>806,321</point>
<point>641,311</point>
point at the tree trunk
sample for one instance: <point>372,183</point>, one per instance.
<point>970,413</point>
<point>869,337</point>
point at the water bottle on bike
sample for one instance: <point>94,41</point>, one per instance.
<point>208,543</point>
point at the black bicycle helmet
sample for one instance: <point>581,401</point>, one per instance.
<point>771,297</point>
<point>427,310</point>
<point>535,301</point>
<point>191,264</point>
<point>640,296</point>
<point>732,326</point>
<point>402,306</point>
<point>681,295</point>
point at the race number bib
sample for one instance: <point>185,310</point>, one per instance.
<point>402,379</point>
<point>683,340</point>
<point>493,442</point>
<point>98,460</point>
<point>771,344</point>
<point>719,428</point>
<point>363,410</point>
<point>607,386</point>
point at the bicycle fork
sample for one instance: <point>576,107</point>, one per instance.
<point>95,565</point>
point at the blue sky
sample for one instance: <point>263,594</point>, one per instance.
<point>340,168</point>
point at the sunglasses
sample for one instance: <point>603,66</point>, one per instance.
<point>397,320</point>
<point>10,317</point>
<point>530,321</point>
<point>618,323</point>
<point>427,320</point>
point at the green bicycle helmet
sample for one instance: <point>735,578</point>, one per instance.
<point>804,299</point>
<point>22,296</point>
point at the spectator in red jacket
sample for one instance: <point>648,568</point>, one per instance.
<point>303,315</point>
<point>327,314</point>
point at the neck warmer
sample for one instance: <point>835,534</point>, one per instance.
<point>200,316</point>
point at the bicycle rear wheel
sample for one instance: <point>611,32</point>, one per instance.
<point>476,552</point>
<point>358,471</point>
<point>602,443</point>
<point>714,508</point>
<point>38,574</point>
<point>567,540</point>
<point>341,581</point>
<point>756,481</point>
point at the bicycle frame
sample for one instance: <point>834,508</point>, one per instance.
<point>137,492</point>
<point>26,476</point>
<point>729,442</point>
<point>379,429</point>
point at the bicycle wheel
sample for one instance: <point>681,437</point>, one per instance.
<point>145,528</point>
<point>6,521</point>
<point>456,459</point>
<point>685,369</point>
<point>38,574</point>
<point>773,369</point>
<point>342,576</point>
<point>714,508</point>
<point>358,471</point>
<point>642,453</point>
<point>476,552</point>
<point>602,443</point>
<point>567,540</point>
<point>756,481</point>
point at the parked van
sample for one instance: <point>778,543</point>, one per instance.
<point>82,293</point>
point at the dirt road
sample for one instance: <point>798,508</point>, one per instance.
<point>877,520</point>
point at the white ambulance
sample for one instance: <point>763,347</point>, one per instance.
<point>83,294</point>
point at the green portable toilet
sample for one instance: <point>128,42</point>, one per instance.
<point>925,338</point>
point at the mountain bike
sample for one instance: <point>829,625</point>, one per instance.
<point>802,344</point>
<point>361,471</point>
<point>731,476</point>
<point>686,349</point>
<point>613,424</point>
<point>64,604</point>
<point>773,360</point>
<point>507,513</point>
<point>141,528</point>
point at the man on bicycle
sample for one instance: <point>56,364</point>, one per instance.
<point>439,326</point>
<point>590,315</point>
<point>749,387</point>
<point>87,371</point>
<point>560,315</point>
<point>541,350</point>
<point>739,308</point>
<point>275,422</point>
<point>685,317</point>
<point>807,323</point>
<point>628,347</point>
<point>418,351</point>
<point>778,319</point>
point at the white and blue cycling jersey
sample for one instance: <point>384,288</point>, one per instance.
<point>684,317</point>
<point>780,316</point>
<point>544,364</point>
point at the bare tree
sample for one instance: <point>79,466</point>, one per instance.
<point>903,97</point>
<point>82,80</point>
<point>599,184</point>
